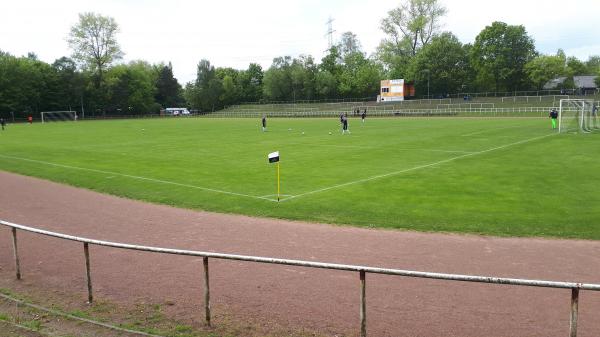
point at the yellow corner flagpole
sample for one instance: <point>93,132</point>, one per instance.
<point>278,182</point>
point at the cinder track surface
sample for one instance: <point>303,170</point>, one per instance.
<point>321,300</point>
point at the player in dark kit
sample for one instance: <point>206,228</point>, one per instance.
<point>2,123</point>
<point>345,124</point>
<point>554,117</point>
<point>264,123</point>
<point>363,115</point>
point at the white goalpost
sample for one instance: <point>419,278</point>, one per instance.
<point>577,115</point>
<point>58,116</point>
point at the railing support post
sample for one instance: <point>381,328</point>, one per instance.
<point>16,251</point>
<point>86,251</point>
<point>363,305</point>
<point>206,292</point>
<point>574,311</point>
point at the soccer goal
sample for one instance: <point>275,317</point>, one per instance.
<point>58,116</point>
<point>577,115</point>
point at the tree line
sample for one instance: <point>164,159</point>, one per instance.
<point>503,58</point>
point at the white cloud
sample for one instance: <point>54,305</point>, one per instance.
<point>236,32</point>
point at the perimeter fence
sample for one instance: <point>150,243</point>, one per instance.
<point>459,111</point>
<point>361,270</point>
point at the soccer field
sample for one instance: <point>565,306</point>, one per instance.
<point>506,176</point>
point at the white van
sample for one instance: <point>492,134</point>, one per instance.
<point>177,111</point>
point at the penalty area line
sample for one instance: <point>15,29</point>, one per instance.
<point>113,174</point>
<point>417,167</point>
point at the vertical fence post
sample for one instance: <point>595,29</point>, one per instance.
<point>16,251</point>
<point>88,273</point>
<point>574,311</point>
<point>363,305</point>
<point>206,292</point>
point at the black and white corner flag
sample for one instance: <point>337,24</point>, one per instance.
<point>274,157</point>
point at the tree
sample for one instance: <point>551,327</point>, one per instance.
<point>132,88</point>
<point>94,44</point>
<point>443,65</point>
<point>207,90</point>
<point>251,83</point>
<point>412,25</point>
<point>326,85</point>
<point>69,82</point>
<point>544,68</point>
<point>360,77</point>
<point>593,64</point>
<point>349,44</point>
<point>277,82</point>
<point>168,90</point>
<point>499,56</point>
<point>576,67</point>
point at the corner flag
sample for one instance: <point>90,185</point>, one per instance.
<point>274,158</point>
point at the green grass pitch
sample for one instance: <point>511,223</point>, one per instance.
<point>508,177</point>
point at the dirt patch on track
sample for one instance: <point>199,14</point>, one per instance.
<point>320,300</point>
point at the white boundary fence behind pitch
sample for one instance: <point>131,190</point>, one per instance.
<point>540,112</point>
<point>361,270</point>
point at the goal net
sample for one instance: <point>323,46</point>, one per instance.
<point>577,115</point>
<point>58,116</point>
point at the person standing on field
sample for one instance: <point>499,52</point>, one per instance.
<point>554,117</point>
<point>3,123</point>
<point>364,115</point>
<point>264,123</point>
<point>30,120</point>
<point>345,124</point>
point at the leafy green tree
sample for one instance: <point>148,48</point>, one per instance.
<point>593,64</point>
<point>251,83</point>
<point>132,88</point>
<point>326,85</point>
<point>444,63</point>
<point>232,91</point>
<point>302,74</point>
<point>277,82</point>
<point>94,44</point>
<point>168,90</point>
<point>207,90</point>
<point>70,83</point>
<point>360,77</point>
<point>499,56</point>
<point>332,62</point>
<point>543,68</point>
<point>576,67</point>
<point>22,85</point>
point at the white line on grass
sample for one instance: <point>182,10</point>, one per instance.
<point>432,150</point>
<point>376,147</point>
<point>113,174</point>
<point>492,129</point>
<point>417,167</point>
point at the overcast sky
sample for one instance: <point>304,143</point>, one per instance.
<point>236,32</point>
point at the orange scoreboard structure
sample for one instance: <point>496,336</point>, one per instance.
<point>395,90</point>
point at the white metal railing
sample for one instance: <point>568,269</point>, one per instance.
<point>362,270</point>
<point>383,111</point>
